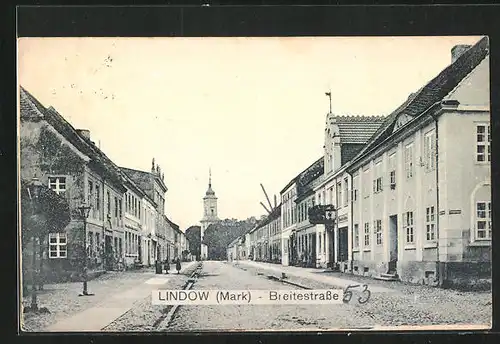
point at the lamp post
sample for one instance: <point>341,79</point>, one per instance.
<point>34,192</point>
<point>84,212</point>
<point>331,220</point>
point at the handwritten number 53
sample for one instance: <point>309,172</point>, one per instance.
<point>348,294</point>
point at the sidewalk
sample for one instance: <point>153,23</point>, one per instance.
<point>312,274</point>
<point>114,305</point>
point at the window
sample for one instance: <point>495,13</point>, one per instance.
<point>367,234</point>
<point>98,241</point>
<point>58,184</point>
<point>392,177</point>
<point>346,192</point>
<point>356,236</point>
<point>408,227</point>
<point>483,139</point>
<point>116,207</point>
<point>409,160</point>
<point>483,220</point>
<point>354,189</point>
<point>120,247</point>
<point>366,183</point>
<point>392,171</point>
<point>120,211</point>
<point>109,202</point>
<point>377,185</point>
<point>57,245</point>
<point>90,193</point>
<point>378,231</point>
<point>339,194</point>
<point>430,223</point>
<point>430,151</point>
<point>98,200</point>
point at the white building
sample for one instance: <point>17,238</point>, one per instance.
<point>428,213</point>
<point>414,201</point>
<point>345,136</point>
<point>288,221</point>
<point>133,232</point>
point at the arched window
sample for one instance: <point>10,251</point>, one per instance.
<point>481,211</point>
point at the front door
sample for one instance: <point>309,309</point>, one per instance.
<point>343,246</point>
<point>108,252</point>
<point>393,243</point>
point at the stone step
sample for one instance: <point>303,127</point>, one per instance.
<point>387,277</point>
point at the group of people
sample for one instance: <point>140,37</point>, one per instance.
<point>177,264</point>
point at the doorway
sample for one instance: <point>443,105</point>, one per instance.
<point>313,250</point>
<point>343,246</point>
<point>108,252</point>
<point>393,244</point>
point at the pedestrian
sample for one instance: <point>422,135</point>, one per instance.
<point>178,265</point>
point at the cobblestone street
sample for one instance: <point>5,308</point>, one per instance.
<point>391,304</point>
<point>122,302</point>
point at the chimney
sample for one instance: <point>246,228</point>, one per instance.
<point>84,133</point>
<point>458,50</point>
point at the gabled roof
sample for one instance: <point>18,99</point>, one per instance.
<point>173,225</point>
<point>64,128</point>
<point>434,91</point>
<point>357,129</point>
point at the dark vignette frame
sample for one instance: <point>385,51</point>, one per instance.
<point>233,20</point>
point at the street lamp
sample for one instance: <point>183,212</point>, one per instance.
<point>84,212</point>
<point>34,190</point>
<point>326,215</point>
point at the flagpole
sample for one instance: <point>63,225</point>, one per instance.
<point>329,94</point>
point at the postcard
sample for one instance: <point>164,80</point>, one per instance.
<point>175,184</point>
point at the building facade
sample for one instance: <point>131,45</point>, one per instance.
<point>306,243</point>
<point>154,240</point>
<point>66,160</point>
<point>424,228</point>
<point>288,222</point>
<point>133,200</point>
<point>345,136</point>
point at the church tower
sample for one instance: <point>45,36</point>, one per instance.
<point>209,211</point>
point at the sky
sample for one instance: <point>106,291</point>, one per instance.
<point>252,110</point>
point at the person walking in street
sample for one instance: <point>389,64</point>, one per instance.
<point>178,265</point>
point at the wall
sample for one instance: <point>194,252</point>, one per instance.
<point>459,167</point>
<point>46,153</point>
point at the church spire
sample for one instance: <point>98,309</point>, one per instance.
<point>210,192</point>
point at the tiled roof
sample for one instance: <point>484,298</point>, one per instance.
<point>314,165</point>
<point>311,173</point>
<point>63,127</point>
<point>357,129</point>
<point>434,91</point>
